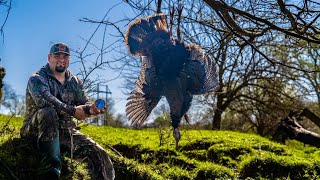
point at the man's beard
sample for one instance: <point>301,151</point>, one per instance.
<point>60,69</point>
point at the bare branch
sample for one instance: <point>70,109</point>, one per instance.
<point>8,6</point>
<point>220,6</point>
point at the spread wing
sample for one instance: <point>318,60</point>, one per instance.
<point>201,72</point>
<point>145,96</point>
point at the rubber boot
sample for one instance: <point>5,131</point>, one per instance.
<point>52,150</point>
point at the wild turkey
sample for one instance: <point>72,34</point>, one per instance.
<point>169,68</point>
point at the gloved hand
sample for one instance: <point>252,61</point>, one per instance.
<point>80,114</point>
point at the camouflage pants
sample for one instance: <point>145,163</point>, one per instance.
<point>49,126</point>
<point>84,147</point>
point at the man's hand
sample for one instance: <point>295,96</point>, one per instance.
<point>80,114</point>
<point>94,110</point>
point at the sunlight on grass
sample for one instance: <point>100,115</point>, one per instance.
<point>203,154</point>
<point>208,154</point>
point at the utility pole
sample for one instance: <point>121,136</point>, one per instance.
<point>107,91</point>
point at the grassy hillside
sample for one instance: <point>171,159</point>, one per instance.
<point>137,154</point>
<point>205,155</point>
<point>20,160</point>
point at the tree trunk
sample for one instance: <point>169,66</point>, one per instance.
<point>216,124</point>
<point>260,129</point>
<point>2,74</point>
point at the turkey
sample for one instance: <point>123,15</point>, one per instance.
<point>170,68</point>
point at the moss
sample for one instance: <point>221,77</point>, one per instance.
<point>277,149</point>
<point>200,155</point>
<point>269,166</point>
<point>136,154</point>
<point>227,155</point>
<point>129,169</point>
<point>212,171</point>
<point>21,159</point>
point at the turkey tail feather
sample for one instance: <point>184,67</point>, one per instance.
<point>141,29</point>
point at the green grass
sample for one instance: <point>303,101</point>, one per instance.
<point>20,160</point>
<point>203,154</point>
<point>207,154</point>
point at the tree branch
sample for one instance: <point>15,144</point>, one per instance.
<point>224,9</point>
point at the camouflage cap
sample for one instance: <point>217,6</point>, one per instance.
<point>60,47</point>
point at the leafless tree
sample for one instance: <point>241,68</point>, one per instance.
<point>5,6</point>
<point>307,56</point>
<point>251,20</point>
<point>13,102</point>
<point>242,37</point>
<point>94,59</point>
<point>240,65</point>
<point>2,74</point>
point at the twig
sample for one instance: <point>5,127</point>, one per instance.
<point>114,150</point>
<point>72,146</point>
<point>7,123</point>
<point>81,161</point>
<point>273,62</point>
<point>11,173</point>
<point>5,21</point>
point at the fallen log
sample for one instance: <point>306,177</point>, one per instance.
<point>290,128</point>
<point>311,116</point>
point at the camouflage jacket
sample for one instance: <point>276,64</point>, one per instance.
<point>44,90</point>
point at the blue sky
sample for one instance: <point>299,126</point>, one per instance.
<point>34,24</point>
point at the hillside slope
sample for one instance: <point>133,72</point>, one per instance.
<point>203,154</point>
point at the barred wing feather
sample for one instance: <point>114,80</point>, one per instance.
<point>144,98</point>
<point>201,71</point>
